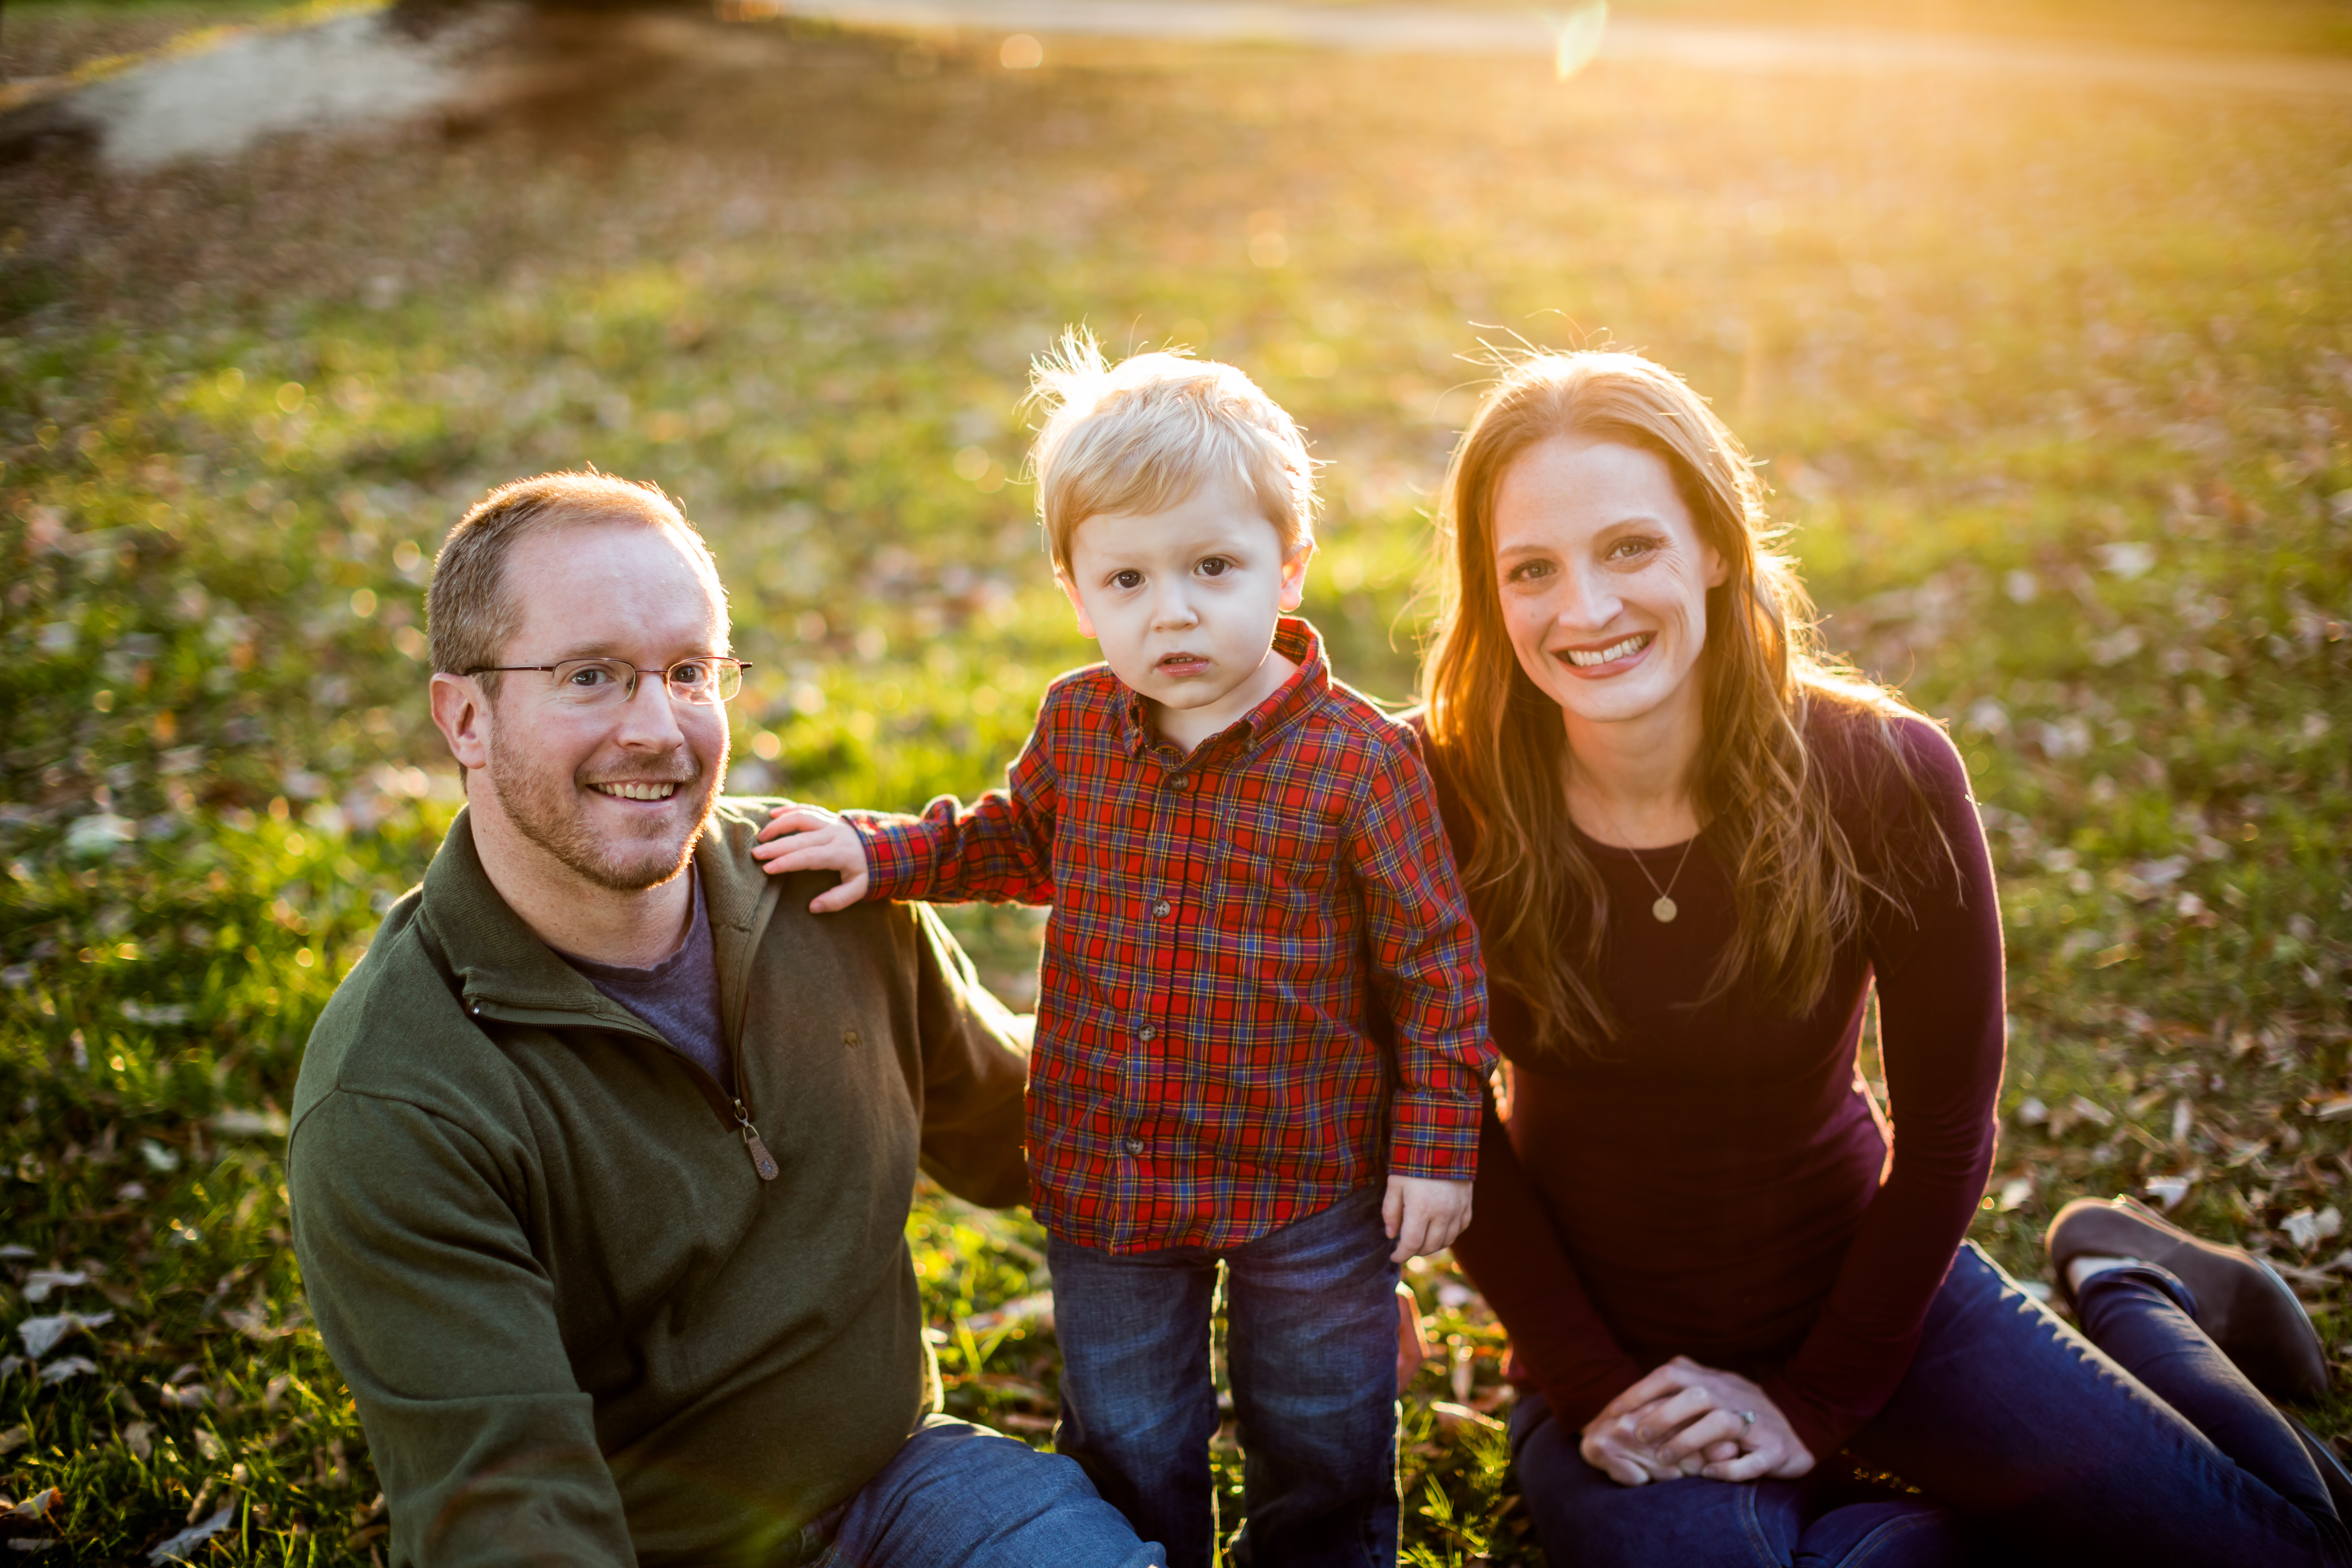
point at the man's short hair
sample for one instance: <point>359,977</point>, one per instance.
<point>468,611</point>
<point>1145,435</point>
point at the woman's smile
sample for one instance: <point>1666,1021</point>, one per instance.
<point>1614,658</point>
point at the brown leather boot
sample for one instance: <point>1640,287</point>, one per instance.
<point>2241,1303</point>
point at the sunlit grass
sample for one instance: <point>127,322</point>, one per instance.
<point>2053,389</point>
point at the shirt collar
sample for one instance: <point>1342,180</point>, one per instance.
<point>498,957</point>
<point>1296,639</point>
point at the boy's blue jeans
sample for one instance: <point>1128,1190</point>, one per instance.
<point>2133,1440</point>
<point>1310,1349</point>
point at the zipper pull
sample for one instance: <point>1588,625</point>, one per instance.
<point>761,1161</point>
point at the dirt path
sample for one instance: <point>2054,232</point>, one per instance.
<point>360,67</point>
<point>1574,36</point>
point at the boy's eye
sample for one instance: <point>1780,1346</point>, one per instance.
<point>1216,567</point>
<point>1125,579</point>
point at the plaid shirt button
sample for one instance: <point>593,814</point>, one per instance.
<point>1147,1033</point>
<point>1131,1144</point>
<point>1179,782</point>
<point>1162,909</point>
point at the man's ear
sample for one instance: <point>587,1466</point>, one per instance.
<point>1086,625</point>
<point>463,716</point>
<point>1294,576</point>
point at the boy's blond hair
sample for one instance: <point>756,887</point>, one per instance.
<point>1145,435</point>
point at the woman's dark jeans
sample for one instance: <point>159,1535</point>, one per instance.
<point>2133,1441</point>
<point>1310,1347</point>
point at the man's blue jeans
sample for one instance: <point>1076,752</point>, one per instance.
<point>961,1496</point>
<point>1310,1349</point>
<point>2132,1441</point>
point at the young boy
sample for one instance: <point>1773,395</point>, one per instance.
<point>1260,989</point>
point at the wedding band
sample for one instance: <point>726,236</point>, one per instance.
<point>1747,1419</point>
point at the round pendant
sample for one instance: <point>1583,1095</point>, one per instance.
<point>1663,909</point>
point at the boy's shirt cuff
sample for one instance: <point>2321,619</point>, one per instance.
<point>1434,1135</point>
<point>897,853</point>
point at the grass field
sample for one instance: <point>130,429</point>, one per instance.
<point>2054,385</point>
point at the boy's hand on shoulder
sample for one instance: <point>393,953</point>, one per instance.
<point>1424,1215</point>
<point>811,839</point>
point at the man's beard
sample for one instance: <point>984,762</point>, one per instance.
<point>546,811</point>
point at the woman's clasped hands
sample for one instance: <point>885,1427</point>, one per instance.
<point>1684,1419</point>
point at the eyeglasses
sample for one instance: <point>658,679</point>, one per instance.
<point>605,682</point>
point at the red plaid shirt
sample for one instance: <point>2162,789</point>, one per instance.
<point>1261,985</point>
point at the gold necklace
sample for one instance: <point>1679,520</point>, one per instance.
<point>1665,911</point>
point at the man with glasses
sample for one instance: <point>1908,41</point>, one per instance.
<point>602,1157</point>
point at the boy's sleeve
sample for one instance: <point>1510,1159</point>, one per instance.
<point>444,1325</point>
<point>999,847</point>
<point>1425,971</point>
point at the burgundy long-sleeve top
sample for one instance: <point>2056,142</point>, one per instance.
<point>1717,1182</point>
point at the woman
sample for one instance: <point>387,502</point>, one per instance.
<point>1694,847</point>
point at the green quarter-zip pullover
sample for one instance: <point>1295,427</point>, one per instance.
<point>594,1308</point>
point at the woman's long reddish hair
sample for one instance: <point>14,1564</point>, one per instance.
<point>1798,891</point>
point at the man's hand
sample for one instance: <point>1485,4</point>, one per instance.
<point>811,839</point>
<point>1424,1215</point>
<point>1686,1419</point>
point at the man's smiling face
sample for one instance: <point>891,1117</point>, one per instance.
<point>616,793</point>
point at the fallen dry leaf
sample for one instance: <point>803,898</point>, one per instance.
<point>1032,1311</point>
<point>41,1281</point>
<point>237,1122</point>
<point>42,1335</point>
<point>177,1548</point>
<point>2307,1229</point>
<point>1455,1419</point>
